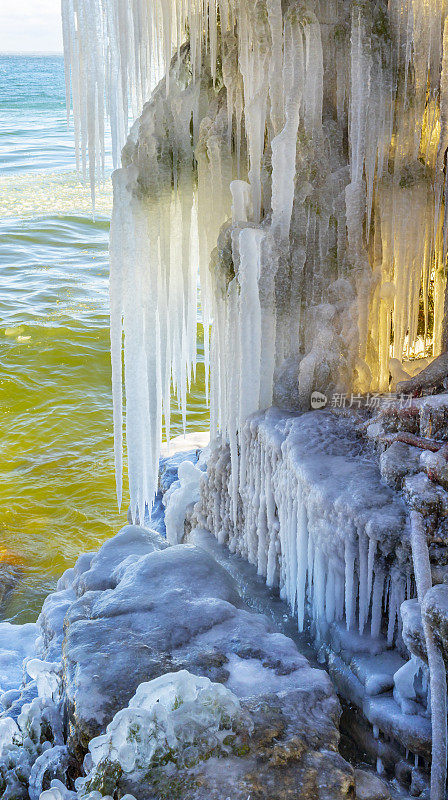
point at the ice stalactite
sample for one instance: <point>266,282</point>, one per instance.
<point>437,671</point>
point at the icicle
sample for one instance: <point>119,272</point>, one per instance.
<point>377,602</point>
<point>437,672</point>
<point>284,144</point>
<point>363,581</point>
<point>350,596</point>
<point>302,555</point>
<point>250,328</point>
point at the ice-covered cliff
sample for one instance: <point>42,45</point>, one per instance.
<point>316,134</point>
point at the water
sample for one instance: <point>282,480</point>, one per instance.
<point>57,491</point>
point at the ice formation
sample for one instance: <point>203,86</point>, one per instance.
<point>324,128</point>
<point>177,718</point>
<point>178,497</point>
<point>308,515</point>
<point>17,642</point>
<point>32,748</point>
<point>436,662</point>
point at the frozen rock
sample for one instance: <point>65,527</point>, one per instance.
<point>434,417</point>
<point>436,466</point>
<point>394,418</point>
<point>313,512</point>
<point>435,611</point>
<point>397,461</point>
<point>32,746</point>
<point>412,630</point>
<point>347,643</point>
<point>411,686</point>
<point>51,621</point>
<point>369,786</point>
<point>412,730</point>
<point>376,673</point>
<point>131,542</point>
<point>177,609</point>
<point>428,498</point>
<point>183,735</point>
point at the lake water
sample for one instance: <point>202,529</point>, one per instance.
<point>57,491</point>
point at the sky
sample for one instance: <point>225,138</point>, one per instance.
<point>30,26</point>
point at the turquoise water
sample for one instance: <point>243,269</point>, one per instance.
<point>57,493</point>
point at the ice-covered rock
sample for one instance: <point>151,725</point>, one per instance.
<point>183,735</point>
<point>376,673</point>
<point>435,611</point>
<point>398,461</point>
<point>106,566</point>
<point>51,621</point>
<point>412,630</point>
<point>171,723</point>
<point>32,749</point>
<point>311,511</point>
<point>177,609</point>
<point>434,417</point>
<point>426,497</point>
<point>17,643</point>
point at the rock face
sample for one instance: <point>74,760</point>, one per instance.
<point>176,608</point>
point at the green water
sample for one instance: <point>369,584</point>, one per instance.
<point>57,491</point>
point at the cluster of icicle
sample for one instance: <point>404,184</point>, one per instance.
<point>340,128</point>
<point>324,555</point>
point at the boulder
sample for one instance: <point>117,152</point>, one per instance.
<point>369,786</point>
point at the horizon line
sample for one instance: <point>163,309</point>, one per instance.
<point>31,53</point>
